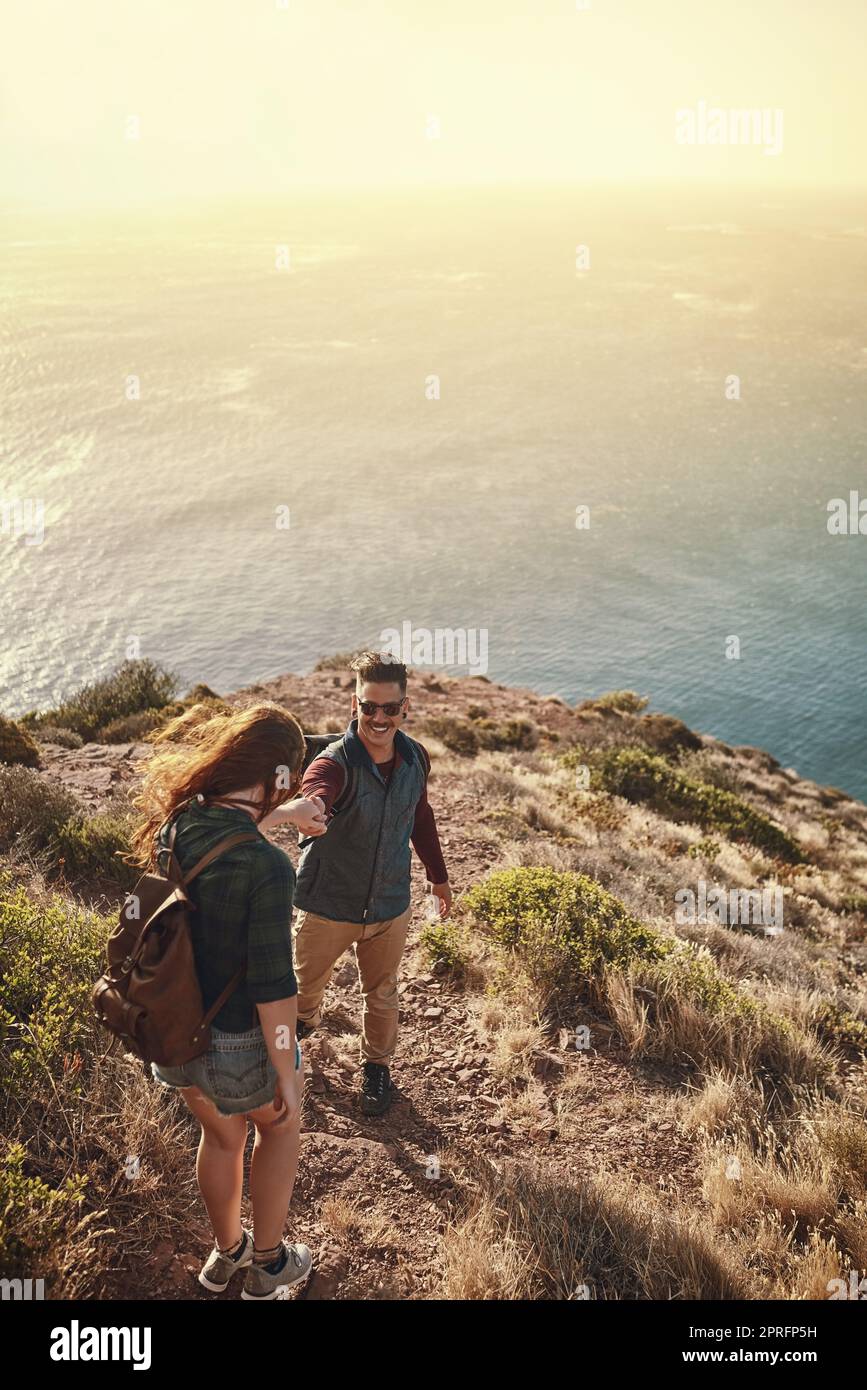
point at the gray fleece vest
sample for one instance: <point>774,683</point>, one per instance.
<point>359,870</point>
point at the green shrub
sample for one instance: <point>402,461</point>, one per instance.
<point>619,701</point>
<point>641,777</point>
<point>32,1214</point>
<point>457,734</point>
<point>444,944</point>
<point>133,687</point>
<point>131,728</point>
<point>705,849</point>
<point>662,733</point>
<point>690,971</point>
<point>64,738</point>
<point>571,936</point>
<point>514,733</point>
<point>88,847</point>
<point>477,712</point>
<point>16,745</point>
<point>338,662</point>
<point>838,1026</point>
<point>466,736</point>
<point>544,914</point>
<point>32,809</point>
<point>50,955</point>
<point>42,817</point>
<point>701,766</point>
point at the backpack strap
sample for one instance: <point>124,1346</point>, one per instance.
<point>181,883</point>
<point>350,779</point>
<point>347,792</point>
<point>173,868</point>
<point>425,757</point>
<point>220,1001</point>
<point>222,848</point>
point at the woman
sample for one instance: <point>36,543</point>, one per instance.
<point>230,774</point>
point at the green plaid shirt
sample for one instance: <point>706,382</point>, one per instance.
<point>244,902</point>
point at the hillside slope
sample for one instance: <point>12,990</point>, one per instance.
<point>685,1144</point>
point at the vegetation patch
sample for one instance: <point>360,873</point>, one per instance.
<point>614,702</point>
<point>566,914</point>
<point>467,737</point>
<point>445,945</point>
<point>526,1232</point>
<point>134,687</point>
<point>39,817</point>
<point>646,778</point>
<point>16,744</point>
<point>64,738</point>
<point>50,956</point>
<point>836,1025</point>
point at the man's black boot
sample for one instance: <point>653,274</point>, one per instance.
<point>376,1089</point>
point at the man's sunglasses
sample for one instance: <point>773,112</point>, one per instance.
<point>392,708</point>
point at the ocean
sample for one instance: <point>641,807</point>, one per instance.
<point>426,393</point>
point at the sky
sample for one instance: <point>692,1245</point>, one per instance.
<point>262,96</point>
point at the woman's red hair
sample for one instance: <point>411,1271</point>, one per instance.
<point>216,755</point>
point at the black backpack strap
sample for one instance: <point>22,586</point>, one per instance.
<point>346,796</point>
<point>174,869</point>
<point>347,792</point>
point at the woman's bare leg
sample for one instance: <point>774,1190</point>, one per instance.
<point>219,1166</point>
<point>273,1168</point>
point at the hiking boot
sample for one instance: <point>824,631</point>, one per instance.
<point>219,1268</point>
<point>264,1283</point>
<point>376,1089</point>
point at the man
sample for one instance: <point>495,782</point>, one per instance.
<point>353,884</point>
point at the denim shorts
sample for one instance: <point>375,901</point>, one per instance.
<point>235,1073</point>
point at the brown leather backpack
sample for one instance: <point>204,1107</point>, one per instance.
<point>149,997</point>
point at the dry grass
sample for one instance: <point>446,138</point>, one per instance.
<point>351,1223</point>
<point>526,1233</point>
<point>131,1142</point>
<point>661,1022</point>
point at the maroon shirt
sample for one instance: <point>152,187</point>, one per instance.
<point>324,778</point>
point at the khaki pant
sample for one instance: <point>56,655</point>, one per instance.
<point>318,945</point>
